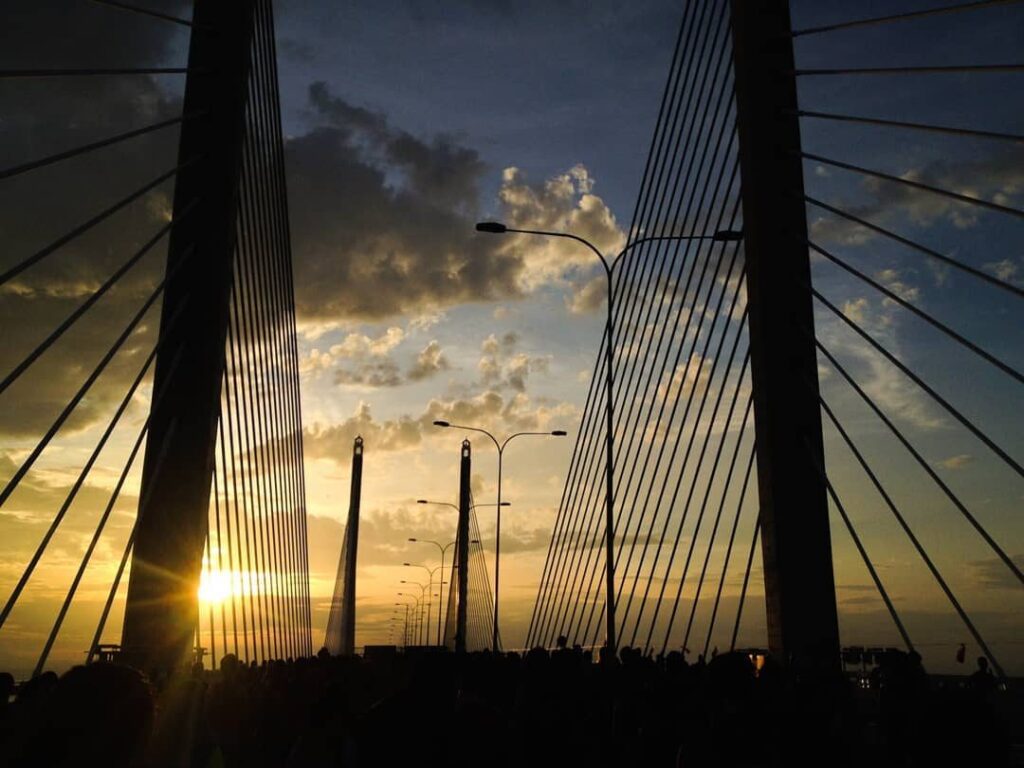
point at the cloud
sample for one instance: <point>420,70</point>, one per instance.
<point>956,462</point>
<point>362,360</point>
<point>589,297</point>
<point>334,441</point>
<point>897,395</point>
<point>998,177</point>
<point>370,373</point>
<point>892,279</point>
<point>993,573</point>
<point>429,362</point>
<point>501,365</point>
<point>406,432</point>
<point>1007,270</point>
<point>855,309</point>
<point>383,220</point>
<point>44,117</point>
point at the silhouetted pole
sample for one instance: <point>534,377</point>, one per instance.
<point>796,547</point>
<point>162,605</point>
<point>348,617</point>
<point>462,548</point>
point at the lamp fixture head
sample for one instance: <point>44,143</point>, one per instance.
<point>492,227</point>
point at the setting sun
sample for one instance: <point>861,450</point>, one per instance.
<point>215,586</point>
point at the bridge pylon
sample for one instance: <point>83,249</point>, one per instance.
<point>340,637</point>
<point>795,540</point>
<point>170,534</point>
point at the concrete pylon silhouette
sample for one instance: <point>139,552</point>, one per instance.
<point>795,540</point>
<point>340,637</point>
<point>162,606</point>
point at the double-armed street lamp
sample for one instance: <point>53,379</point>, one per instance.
<point>722,236</point>
<point>500,445</point>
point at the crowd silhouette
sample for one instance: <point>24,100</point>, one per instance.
<point>560,708</point>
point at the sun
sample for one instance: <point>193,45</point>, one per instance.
<point>215,586</point>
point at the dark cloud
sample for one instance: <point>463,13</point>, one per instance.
<point>383,220</point>
<point>43,116</point>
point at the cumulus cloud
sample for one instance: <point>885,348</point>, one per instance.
<point>429,362</point>
<point>588,297</point>
<point>334,441</point>
<point>565,202</point>
<point>501,365</point>
<point>1007,270</point>
<point>405,432</point>
<point>368,361</point>
<point>897,395</point>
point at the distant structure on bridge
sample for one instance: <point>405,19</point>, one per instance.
<point>340,636</point>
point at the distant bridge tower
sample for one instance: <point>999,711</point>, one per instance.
<point>340,638</point>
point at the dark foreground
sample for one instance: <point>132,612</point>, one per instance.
<point>436,709</point>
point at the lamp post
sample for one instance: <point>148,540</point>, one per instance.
<point>430,589</point>
<point>405,632</point>
<point>722,236</point>
<point>440,600</point>
<point>415,613</point>
<point>442,550</point>
<point>497,526</point>
<point>441,583</point>
<point>424,605</point>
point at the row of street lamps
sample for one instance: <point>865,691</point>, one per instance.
<point>493,227</point>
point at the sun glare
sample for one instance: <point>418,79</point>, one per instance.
<point>215,586</point>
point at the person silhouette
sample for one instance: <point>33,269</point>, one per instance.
<point>982,681</point>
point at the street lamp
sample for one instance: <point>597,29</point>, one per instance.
<point>722,236</point>
<point>416,612</point>
<point>440,599</point>
<point>440,596</point>
<point>405,633</point>
<point>429,590</point>
<point>497,525</point>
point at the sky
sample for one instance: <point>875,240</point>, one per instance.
<point>405,123</point>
